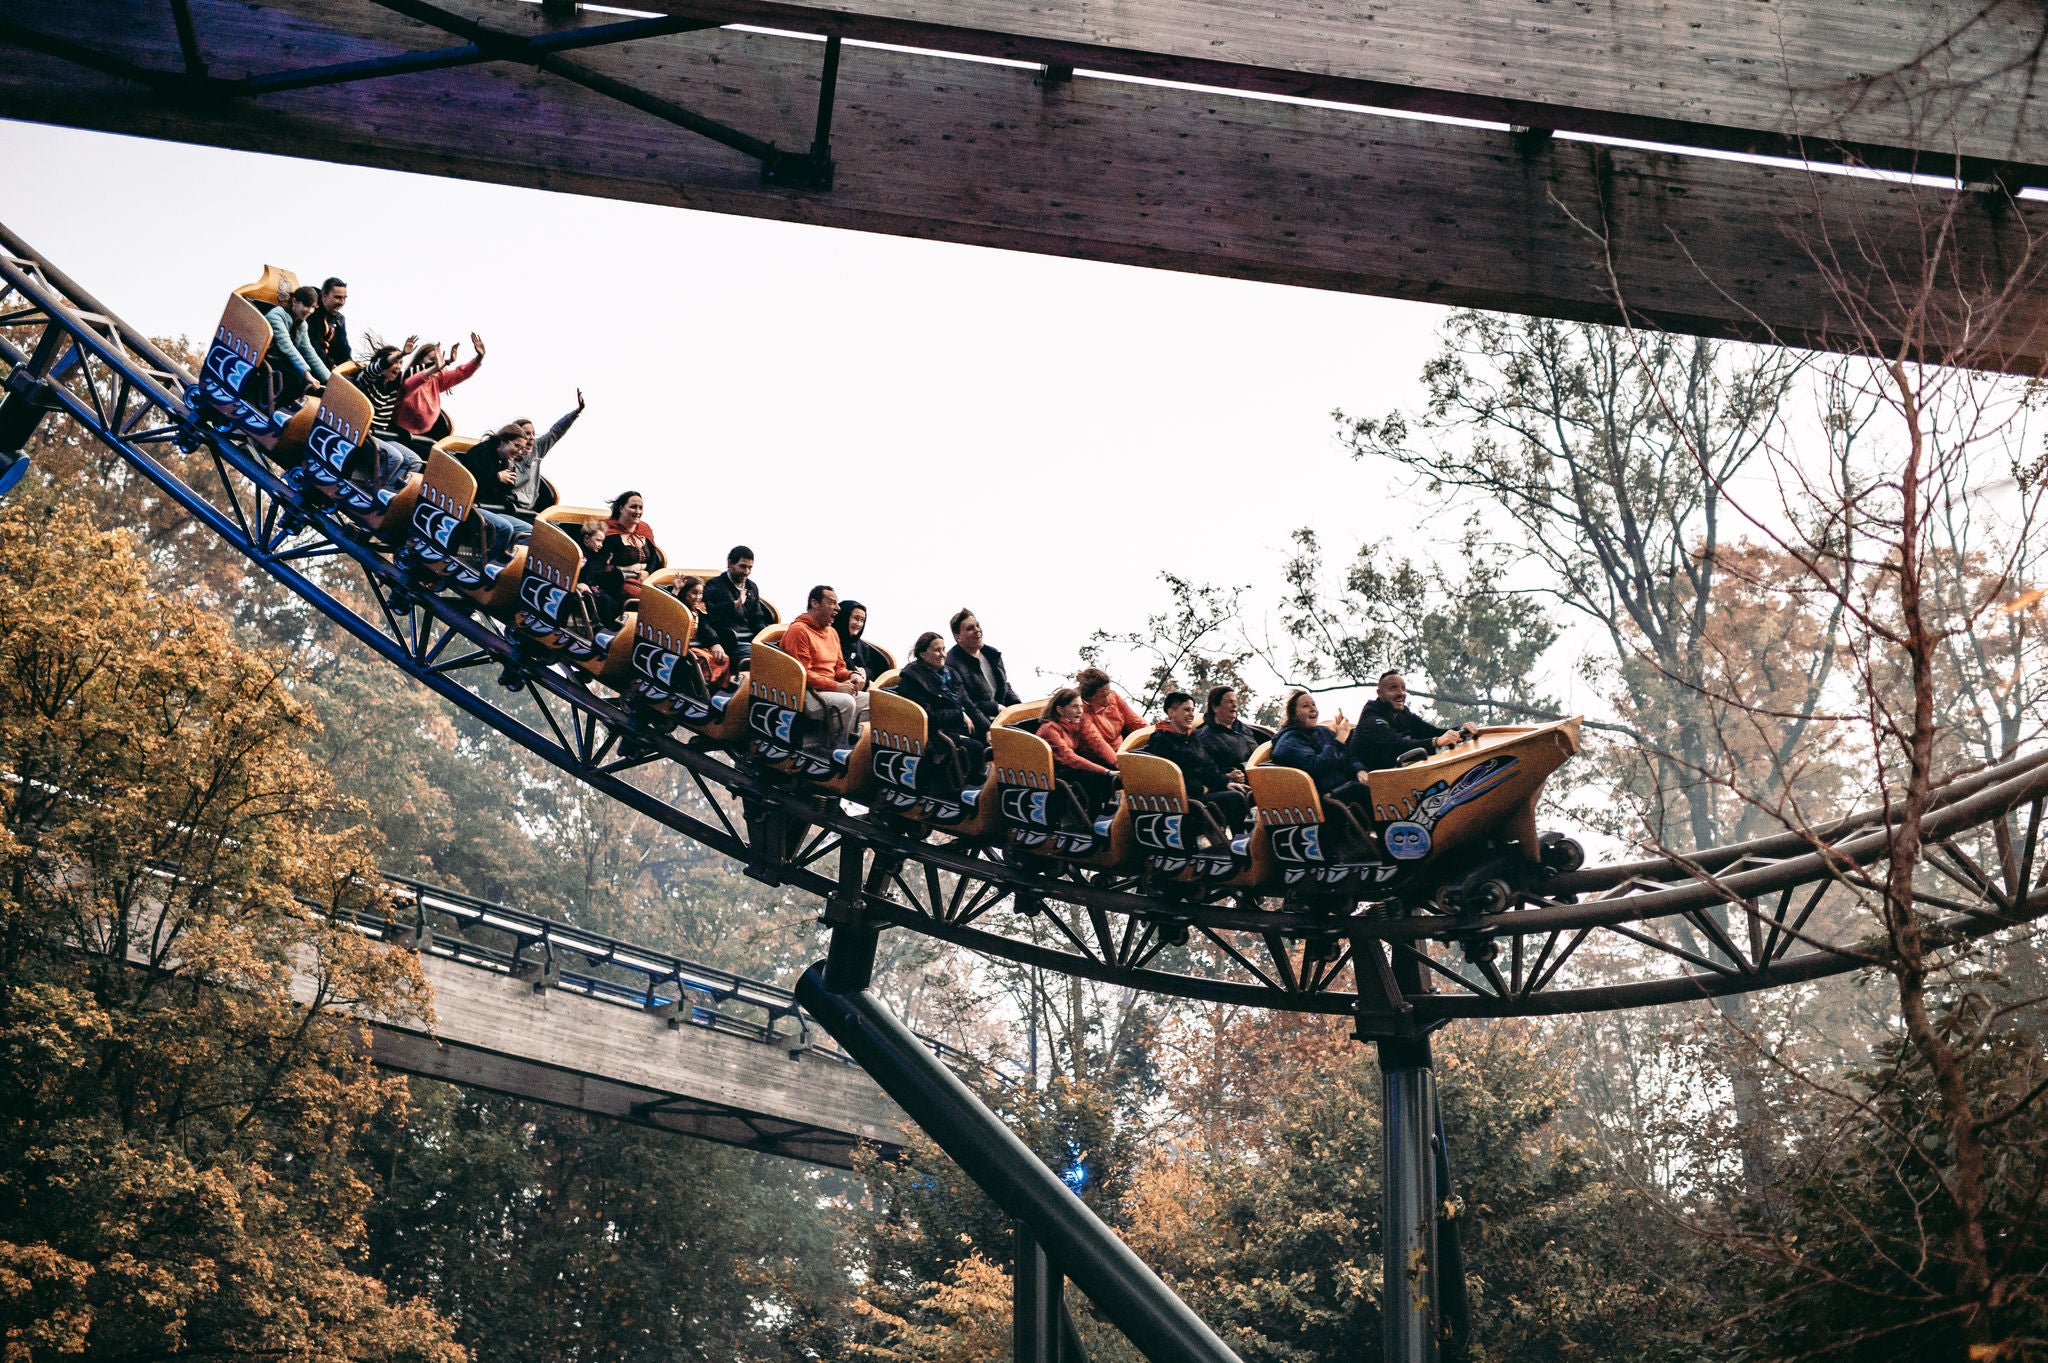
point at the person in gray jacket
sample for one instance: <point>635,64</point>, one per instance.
<point>506,464</point>
<point>526,488</point>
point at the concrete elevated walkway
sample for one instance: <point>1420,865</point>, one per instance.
<point>521,1038</point>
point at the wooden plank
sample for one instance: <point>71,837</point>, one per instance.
<point>1945,77</point>
<point>404,1053</point>
<point>983,154</point>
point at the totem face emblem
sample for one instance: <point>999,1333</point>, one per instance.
<point>1298,842</point>
<point>895,768</point>
<point>434,525</point>
<point>540,598</point>
<point>1160,832</point>
<point>771,721</point>
<point>656,664</point>
<point>1407,841</point>
<point>1024,806</point>
<point>330,447</point>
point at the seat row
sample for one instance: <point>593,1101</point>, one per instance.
<point>1477,797</point>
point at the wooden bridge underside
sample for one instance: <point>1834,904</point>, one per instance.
<point>930,143</point>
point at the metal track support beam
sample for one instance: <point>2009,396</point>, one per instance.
<point>1043,1329</point>
<point>1408,1129</point>
<point>1134,1299</point>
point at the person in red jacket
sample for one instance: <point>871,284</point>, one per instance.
<point>1079,756</point>
<point>1108,714</point>
<point>419,406</point>
<point>835,695</point>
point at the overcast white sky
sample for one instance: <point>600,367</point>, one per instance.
<point>922,425</point>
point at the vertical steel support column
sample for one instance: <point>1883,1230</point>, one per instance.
<point>1101,1265</point>
<point>1408,1124</point>
<point>1035,1315</point>
<point>1454,1317</point>
<point>828,93</point>
<point>850,958</point>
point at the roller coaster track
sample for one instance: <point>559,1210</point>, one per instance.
<point>1733,919</point>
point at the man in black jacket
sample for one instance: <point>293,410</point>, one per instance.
<point>327,327</point>
<point>1387,728</point>
<point>733,603</point>
<point>1206,785</point>
<point>1228,741</point>
<point>979,667</point>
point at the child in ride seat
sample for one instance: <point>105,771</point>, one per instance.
<point>707,642</point>
<point>604,583</point>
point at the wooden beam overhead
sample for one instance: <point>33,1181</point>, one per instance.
<point>1934,80</point>
<point>931,146</point>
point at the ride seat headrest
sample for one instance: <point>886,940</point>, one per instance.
<point>273,288</point>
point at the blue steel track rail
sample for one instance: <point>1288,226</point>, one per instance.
<point>1727,920</point>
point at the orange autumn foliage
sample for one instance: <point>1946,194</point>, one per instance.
<point>178,1133</point>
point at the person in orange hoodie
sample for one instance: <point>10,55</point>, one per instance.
<point>1109,715</point>
<point>1079,756</point>
<point>835,695</point>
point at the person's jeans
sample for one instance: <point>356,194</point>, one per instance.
<point>838,713</point>
<point>502,533</point>
<point>395,464</point>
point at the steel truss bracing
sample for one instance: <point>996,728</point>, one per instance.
<point>1724,921</point>
<point>807,169</point>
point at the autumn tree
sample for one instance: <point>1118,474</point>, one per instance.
<point>180,1110</point>
<point>926,1239</point>
<point>1266,1216</point>
<point>1603,457</point>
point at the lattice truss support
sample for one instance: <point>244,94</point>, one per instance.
<point>1730,920</point>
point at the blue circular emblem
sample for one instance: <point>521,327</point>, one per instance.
<point>1407,841</point>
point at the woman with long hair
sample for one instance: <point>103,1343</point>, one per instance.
<point>629,543</point>
<point>1339,778</point>
<point>1079,756</point>
<point>707,643</point>
<point>419,408</point>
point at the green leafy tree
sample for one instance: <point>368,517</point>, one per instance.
<point>547,1235</point>
<point>1476,638</point>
